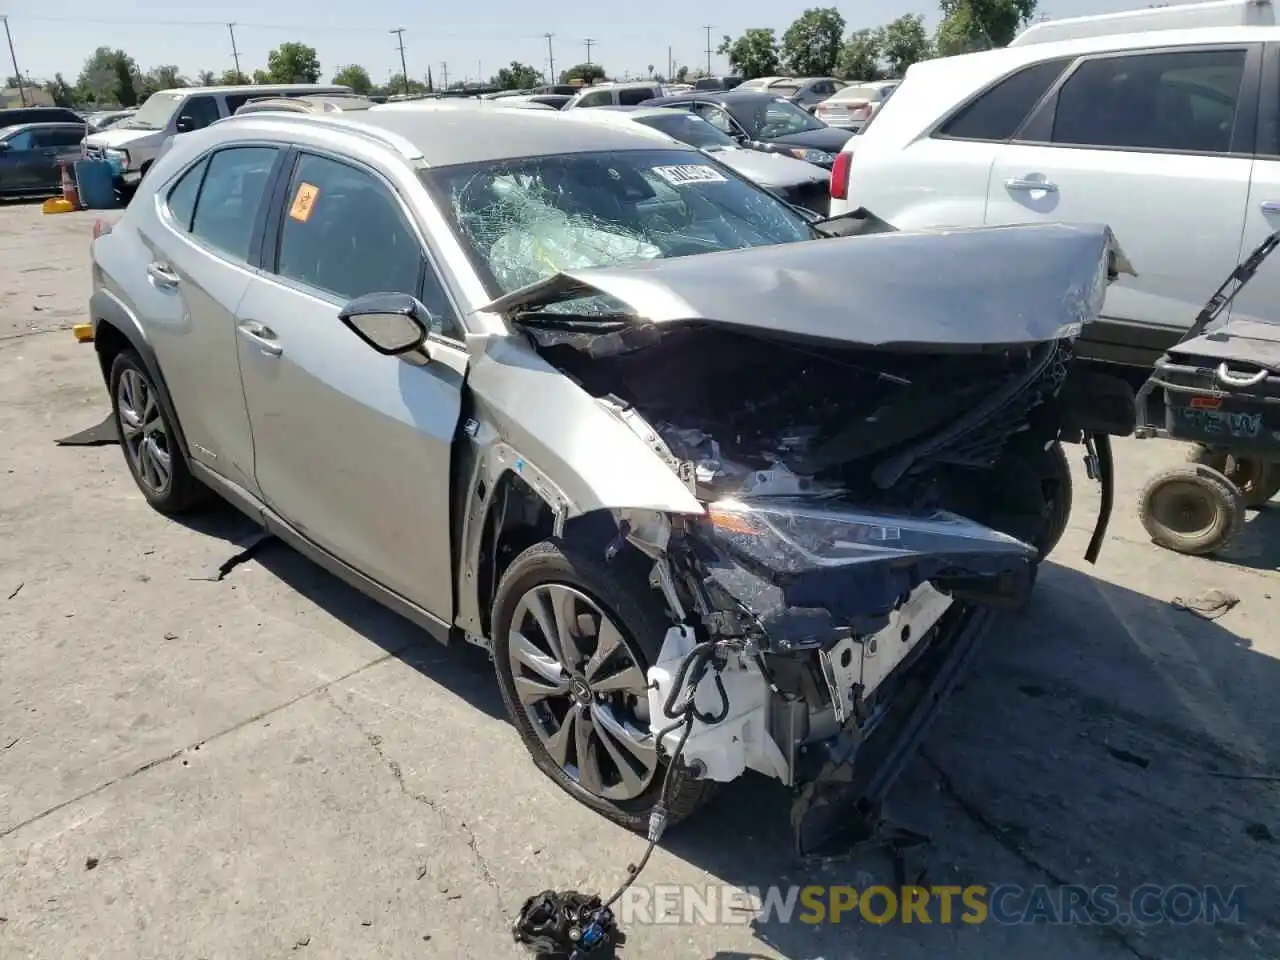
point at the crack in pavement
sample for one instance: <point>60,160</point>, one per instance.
<point>246,553</point>
<point>375,743</point>
<point>1012,845</point>
<point>151,764</point>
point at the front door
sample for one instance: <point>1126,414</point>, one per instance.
<point>55,145</point>
<point>20,164</point>
<point>353,449</point>
<point>1146,143</point>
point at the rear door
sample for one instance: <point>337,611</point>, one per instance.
<point>353,448</point>
<point>1260,299</point>
<point>1158,144</point>
<point>202,240</point>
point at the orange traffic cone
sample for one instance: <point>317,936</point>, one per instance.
<point>70,192</point>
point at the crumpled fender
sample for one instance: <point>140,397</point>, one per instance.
<point>594,460</point>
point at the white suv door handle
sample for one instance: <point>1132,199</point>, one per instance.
<point>1270,206</point>
<point>1015,183</point>
<point>263,337</point>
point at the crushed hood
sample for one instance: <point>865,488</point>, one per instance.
<point>957,289</point>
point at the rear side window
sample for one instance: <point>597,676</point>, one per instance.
<point>997,114</point>
<point>230,198</point>
<point>630,98</point>
<point>182,197</point>
<point>1183,100</point>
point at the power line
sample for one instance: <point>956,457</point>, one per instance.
<point>404,70</point>
<point>551,59</point>
<point>235,53</point>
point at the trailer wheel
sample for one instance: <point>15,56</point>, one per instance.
<point>1258,480</point>
<point>1193,510</point>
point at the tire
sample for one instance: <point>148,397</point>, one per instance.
<point>1257,480</point>
<point>1192,510</point>
<point>1054,470</point>
<point>155,460</point>
<point>620,592</point>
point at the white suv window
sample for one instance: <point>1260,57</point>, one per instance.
<point>996,114</point>
<point>596,98</point>
<point>1176,100</point>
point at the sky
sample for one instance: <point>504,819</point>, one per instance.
<point>472,39</point>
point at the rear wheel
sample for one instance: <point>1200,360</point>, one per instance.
<point>148,439</point>
<point>1193,509</point>
<point>573,638</point>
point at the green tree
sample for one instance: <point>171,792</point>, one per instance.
<point>261,76</point>
<point>904,42</point>
<point>754,54</point>
<point>126,82</point>
<point>397,85</point>
<point>206,78</point>
<point>811,45</point>
<point>356,77</point>
<point>682,74</point>
<point>293,63</point>
<point>970,25</point>
<point>586,72</point>
<point>63,93</point>
<point>99,80</point>
<point>518,76</point>
<point>166,77</point>
<point>234,78</point>
<point>860,56</point>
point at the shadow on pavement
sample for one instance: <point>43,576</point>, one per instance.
<point>1258,545</point>
<point>1101,738</point>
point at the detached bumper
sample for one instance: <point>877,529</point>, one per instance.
<point>850,774</point>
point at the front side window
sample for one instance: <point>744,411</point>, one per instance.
<point>202,111</point>
<point>59,138</point>
<point>779,118</point>
<point>1180,100</point>
<point>596,98</point>
<point>21,141</point>
<point>230,197</point>
<point>525,220</point>
<point>344,234</point>
<point>997,114</point>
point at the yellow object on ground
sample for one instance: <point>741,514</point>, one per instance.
<point>83,332</point>
<point>57,205</point>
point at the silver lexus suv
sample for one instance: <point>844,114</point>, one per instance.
<point>718,489</point>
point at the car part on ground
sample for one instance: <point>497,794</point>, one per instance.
<point>1219,389</point>
<point>571,468</point>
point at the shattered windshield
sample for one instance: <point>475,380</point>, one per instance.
<point>528,219</point>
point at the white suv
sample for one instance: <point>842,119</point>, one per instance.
<point>1172,137</point>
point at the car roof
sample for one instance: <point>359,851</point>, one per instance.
<point>38,125</point>
<point>301,104</point>
<point>250,88</point>
<point>719,96</point>
<point>456,135</point>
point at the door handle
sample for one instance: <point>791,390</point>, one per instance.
<point>1270,206</point>
<point>1017,183</point>
<point>162,275</point>
<point>262,336</point>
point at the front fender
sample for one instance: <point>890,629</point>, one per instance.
<point>559,432</point>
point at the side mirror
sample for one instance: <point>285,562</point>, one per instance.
<point>185,125</point>
<point>392,323</point>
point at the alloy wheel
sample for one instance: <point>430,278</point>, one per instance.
<point>143,433</point>
<point>583,691</point>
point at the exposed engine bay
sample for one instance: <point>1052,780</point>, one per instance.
<point>871,493</point>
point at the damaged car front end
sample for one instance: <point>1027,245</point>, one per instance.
<point>866,429</point>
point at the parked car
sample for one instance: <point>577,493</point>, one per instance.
<point>798,183</point>
<point>852,107</point>
<point>560,457</point>
<point>763,122</point>
<point>717,83</point>
<point>20,115</point>
<point>614,94</point>
<point>806,92</point>
<point>306,104</point>
<point>133,144</point>
<point>760,83</point>
<point>31,155</point>
<point>105,119</point>
<point>1073,129</point>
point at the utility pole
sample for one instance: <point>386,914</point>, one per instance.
<point>235,53</point>
<point>13,57</point>
<point>404,70</point>
<point>589,42</point>
<point>708,29</point>
<point>671,66</point>
<point>444,69</point>
<point>551,59</point>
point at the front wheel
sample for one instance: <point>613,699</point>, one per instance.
<point>573,637</point>
<point>148,439</point>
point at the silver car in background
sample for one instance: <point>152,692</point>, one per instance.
<point>852,107</point>
<point>588,401</point>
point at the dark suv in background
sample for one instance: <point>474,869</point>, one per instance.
<point>17,115</point>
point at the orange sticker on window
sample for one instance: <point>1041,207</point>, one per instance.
<point>303,202</point>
